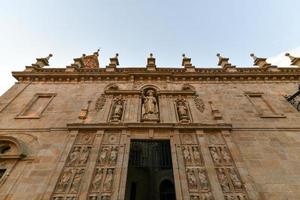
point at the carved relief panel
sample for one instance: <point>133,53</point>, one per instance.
<point>68,184</point>
<point>195,170</point>
<point>227,173</point>
<point>101,186</point>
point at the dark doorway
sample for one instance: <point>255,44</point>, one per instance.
<point>150,171</point>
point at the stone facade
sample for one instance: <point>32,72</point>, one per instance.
<point>65,133</point>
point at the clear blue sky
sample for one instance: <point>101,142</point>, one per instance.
<point>134,28</point>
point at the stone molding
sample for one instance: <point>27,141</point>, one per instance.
<point>166,74</point>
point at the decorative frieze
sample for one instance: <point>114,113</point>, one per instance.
<point>68,184</point>
<point>101,186</point>
<point>227,173</point>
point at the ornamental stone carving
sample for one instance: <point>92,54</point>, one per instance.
<point>150,108</point>
<point>199,103</point>
<point>117,109</point>
<point>182,110</point>
<point>100,102</point>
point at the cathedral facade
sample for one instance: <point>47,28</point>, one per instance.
<point>88,133</point>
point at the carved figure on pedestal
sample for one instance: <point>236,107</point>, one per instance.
<point>215,156</point>
<point>84,155</point>
<point>186,154</point>
<point>103,156</point>
<point>203,179</point>
<point>196,154</point>
<point>76,181</point>
<point>117,110</point>
<point>150,111</point>
<point>97,180</point>
<point>191,178</point>
<point>74,156</point>
<point>113,155</point>
<point>223,180</point>
<point>64,180</point>
<point>235,179</point>
<point>226,156</point>
<point>108,180</point>
<point>182,110</point>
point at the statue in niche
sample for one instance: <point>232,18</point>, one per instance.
<point>186,154</point>
<point>203,179</point>
<point>150,111</point>
<point>64,180</point>
<point>97,180</point>
<point>108,180</point>
<point>74,156</point>
<point>235,179</point>
<point>113,154</point>
<point>117,110</point>
<point>223,180</point>
<point>103,156</point>
<point>76,181</point>
<point>182,110</point>
<point>196,153</point>
<point>84,155</point>
<point>215,156</point>
<point>226,155</point>
<point>191,178</point>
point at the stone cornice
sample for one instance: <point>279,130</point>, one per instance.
<point>146,125</point>
<point>166,74</point>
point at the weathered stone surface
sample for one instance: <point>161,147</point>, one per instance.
<point>239,139</point>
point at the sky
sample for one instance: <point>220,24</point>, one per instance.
<point>135,28</point>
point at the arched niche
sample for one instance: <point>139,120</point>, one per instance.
<point>188,87</point>
<point>112,86</point>
<point>12,148</point>
<point>150,104</point>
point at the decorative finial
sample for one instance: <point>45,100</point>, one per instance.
<point>96,53</point>
<point>117,55</point>
<point>219,55</point>
<point>49,56</point>
<point>294,60</point>
<point>253,56</point>
<point>183,55</point>
<point>151,55</point>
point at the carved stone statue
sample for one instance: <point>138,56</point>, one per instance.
<point>223,180</point>
<point>215,156</point>
<point>103,156</point>
<point>196,154</point>
<point>74,156</point>
<point>113,155</point>
<point>235,179</point>
<point>182,110</point>
<point>108,180</point>
<point>84,156</point>
<point>97,180</point>
<point>64,181</point>
<point>186,154</point>
<point>150,106</point>
<point>117,111</point>
<point>203,179</point>
<point>76,181</point>
<point>191,179</point>
<point>226,156</point>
